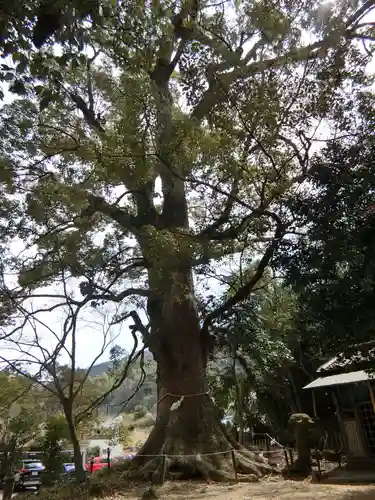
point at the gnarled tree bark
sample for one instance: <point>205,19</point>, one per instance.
<point>189,434</point>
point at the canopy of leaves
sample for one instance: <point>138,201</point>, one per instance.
<point>331,263</point>
<point>21,411</point>
<point>221,110</point>
<point>171,137</point>
<point>253,357</point>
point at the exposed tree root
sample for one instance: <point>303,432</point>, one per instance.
<point>184,448</point>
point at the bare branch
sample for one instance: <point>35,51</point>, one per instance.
<point>360,13</point>
<point>224,217</point>
<point>124,219</point>
<point>107,295</point>
<point>133,357</point>
<point>87,112</point>
<point>248,287</point>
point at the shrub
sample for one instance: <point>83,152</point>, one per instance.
<point>94,451</point>
<point>139,413</point>
<point>59,492</point>
<point>101,485</point>
<point>52,445</point>
<point>146,421</point>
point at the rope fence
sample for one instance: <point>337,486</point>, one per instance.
<point>259,452</point>
<point>268,440</point>
<point>160,479</point>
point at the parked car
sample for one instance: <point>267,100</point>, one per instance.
<point>29,474</point>
<point>96,463</point>
<point>69,472</point>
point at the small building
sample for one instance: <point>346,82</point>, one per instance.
<point>116,450</point>
<point>350,378</point>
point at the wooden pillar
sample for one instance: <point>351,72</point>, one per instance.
<point>340,419</point>
<point>358,420</point>
<point>314,403</point>
<point>371,396</point>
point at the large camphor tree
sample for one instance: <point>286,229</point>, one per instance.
<point>152,142</point>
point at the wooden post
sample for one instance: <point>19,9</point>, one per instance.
<point>314,403</point>
<point>340,420</point>
<point>234,464</point>
<point>163,469</point>
<point>286,457</point>
<point>371,396</point>
<point>158,476</point>
<point>318,461</point>
<point>357,418</point>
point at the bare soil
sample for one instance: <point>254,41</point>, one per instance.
<point>265,490</point>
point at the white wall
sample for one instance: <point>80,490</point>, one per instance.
<point>116,450</point>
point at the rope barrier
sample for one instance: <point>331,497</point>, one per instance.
<point>209,454</point>
<point>182,396</point>
<point>175,405</point>
<point>191,455</point>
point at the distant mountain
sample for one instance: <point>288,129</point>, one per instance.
<point>129,396</point>
<point>102,368</point>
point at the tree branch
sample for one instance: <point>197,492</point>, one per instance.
<point>224,217</point>
<point>312,51</point>
<point>362,11</point>
<point>248,287</point>
<point>210,97</point>
<point>107,295</point>
<point>133,357</point>
<point>99,204</point>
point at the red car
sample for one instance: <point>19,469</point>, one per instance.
<point>96,463</point>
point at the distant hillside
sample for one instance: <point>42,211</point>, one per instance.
<point>102,368</point>
<point>144,398</point>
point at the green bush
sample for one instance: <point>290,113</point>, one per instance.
<point>139,413</point>
<point>101,485</point>
<point>145,422</point>
<point>94,451</point>
<point>59,492</point>
<point>52,445</point>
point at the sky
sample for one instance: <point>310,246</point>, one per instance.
<point>92,326</point>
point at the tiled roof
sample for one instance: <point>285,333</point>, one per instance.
<point>357,357</point>
<point>340,379</point>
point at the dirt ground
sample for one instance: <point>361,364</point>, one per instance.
<point>265,490</point>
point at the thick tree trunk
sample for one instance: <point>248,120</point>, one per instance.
<point>188,439</point>
<point>8,487</point>
<point>9,479</point>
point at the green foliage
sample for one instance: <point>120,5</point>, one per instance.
<point>93,451</point>
<point>120,434</point>
<point>20,411</point>
<point>139,413</point>
<point>21,417</point>
<point>254,351</point>
<point>331,266</point>
<point>74,163</point>
<point>55,436</point>
<point>131,394</point>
